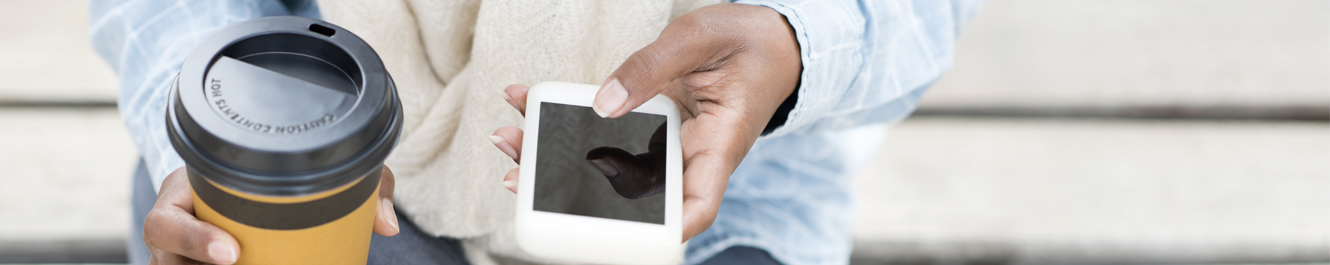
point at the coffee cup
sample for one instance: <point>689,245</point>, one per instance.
<point>284,124</point>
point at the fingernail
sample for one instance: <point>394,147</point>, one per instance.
<point>386,209</point>
<point>605,167</point>
<point>610,98</point>
<point>504,146</point>
<point>221,252</point>
<point>509,184</point>
<point>504,93</point>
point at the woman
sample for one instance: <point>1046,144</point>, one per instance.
<point>782,99</point>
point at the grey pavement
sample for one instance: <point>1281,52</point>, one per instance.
<point>45,54</point>
<point>1115,53</point>
<point>1110,190</point>
<point>66,175</point>
<point>64,193</point>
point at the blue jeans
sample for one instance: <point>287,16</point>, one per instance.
<point>410,246</point>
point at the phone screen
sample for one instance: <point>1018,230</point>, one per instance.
<point>597,167</point>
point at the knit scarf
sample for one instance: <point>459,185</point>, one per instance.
<point>450,59</point>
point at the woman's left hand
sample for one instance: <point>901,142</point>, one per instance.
<point>728,66</point>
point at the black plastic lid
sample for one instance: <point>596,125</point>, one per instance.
<point>283,106</point>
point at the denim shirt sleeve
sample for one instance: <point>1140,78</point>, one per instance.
<point>866,61</point>
<point>145,42</point>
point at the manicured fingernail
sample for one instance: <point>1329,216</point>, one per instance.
<point>504,93</point>
<point>509,184</point>
<point>386,209</point>
<point>610,99</point>
<point>604,167</point>
<point>504,146</point>
<point>222,252</point>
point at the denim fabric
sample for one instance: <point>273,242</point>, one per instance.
<point>866,63</point>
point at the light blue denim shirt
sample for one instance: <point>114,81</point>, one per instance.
<point>866,64</point>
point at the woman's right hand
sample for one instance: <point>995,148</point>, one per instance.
<point>175,236</point>
<point>727,66</point>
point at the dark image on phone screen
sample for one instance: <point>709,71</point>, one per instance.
<point>568,181</point>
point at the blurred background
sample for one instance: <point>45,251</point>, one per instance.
<point>1068,132</point>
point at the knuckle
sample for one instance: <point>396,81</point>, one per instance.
<point>707,223</point>
<point>648,59</point>
<point>151,223</point>
<point>723,23</point>
<point>643,68</point>
<point>193,244</point>
<point>705,26</point>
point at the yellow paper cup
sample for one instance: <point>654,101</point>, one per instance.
<point>284,124</point>
<point>330,227</point>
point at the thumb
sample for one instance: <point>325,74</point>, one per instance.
<point>180,233</point>
<point>172,227</point>
<point>649,71</point>
<point>632,176</point>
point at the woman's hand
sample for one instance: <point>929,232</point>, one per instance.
<point>175,236</point>
<point>728,66</point>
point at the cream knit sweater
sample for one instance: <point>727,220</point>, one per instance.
<point>451,59</point>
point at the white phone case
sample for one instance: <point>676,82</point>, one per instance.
<point>585,239</point>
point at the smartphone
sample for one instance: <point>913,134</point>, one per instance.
<point>599,190</point>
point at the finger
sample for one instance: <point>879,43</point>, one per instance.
<point>515,95</point>
<point>704,187</point>
<point>709,159</point>
<point>173,259</point>
<point>387,183</point>
<point>657,142</point>
<point>632,176</point>
<point>683,47</point>
<point>385,221</point>
<point>509,140</point>
<point>510,180</point>
<point>172,227</point>
<point>159,256</point>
